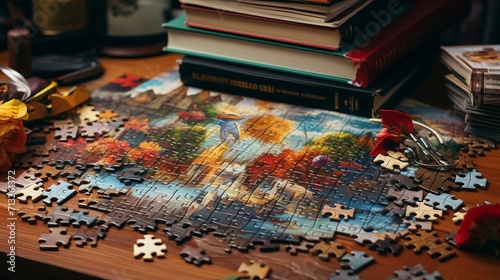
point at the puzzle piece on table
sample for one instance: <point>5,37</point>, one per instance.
<point>400,196</point>
<point>458,217</point>
<point>471,180</point>
<point>60,215</point>
<point>414,225</point>
<point>195,256</point>
<point>435,181</point>
<point>303,247</point>
<point>81,217</point>
<point>46,172</point>
<point>356,261</point>
<point>31,215</point>
<point>65,129</point>
<point>71,172</point>
<point>394,161</point>
<point>59,193</point>
<point>423,212</point>
<point>149,247</point>
<point>180,233</point>
<point>26,179</point>
<point>386,245</point>
<point>400,181</point>
<point>338,212</point>
<point>96,203</point>
<point>476,146</point>
<point>255,269</point>
<point>343,274</point>
<point>372,237</point>
<point>56,238</point>
<point>464,164</point>
<point>33,192</point>
<point>429,240</point>
<point>116,191</point>
<point>132,174</point>
<point>443,201</point>
<point>83,236</point>
<point>89,131</point>
<point>108,115</point>
<point>414,273</point>
<point>325,249</point>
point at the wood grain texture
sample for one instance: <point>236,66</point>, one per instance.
<point>113,257</point>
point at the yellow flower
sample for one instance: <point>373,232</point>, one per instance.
<point>12,134</point>
<point>13,109</point>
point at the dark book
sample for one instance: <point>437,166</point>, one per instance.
<point>359,65</point>
<point>282,87</point>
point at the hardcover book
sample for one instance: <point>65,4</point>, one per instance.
<point>471,98</point>
<point>477,65</point>
<point>359,66</point>
<point>278,86</point>
<point>332,15</point>
<point>306,34</point>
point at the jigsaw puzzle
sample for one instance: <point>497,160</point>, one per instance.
<point>251,173</point>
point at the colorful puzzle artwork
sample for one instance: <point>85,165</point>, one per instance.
<point>251,172</point>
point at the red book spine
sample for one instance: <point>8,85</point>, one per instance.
<point>424,21</point>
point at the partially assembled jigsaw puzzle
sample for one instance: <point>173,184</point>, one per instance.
<point>255,174</point>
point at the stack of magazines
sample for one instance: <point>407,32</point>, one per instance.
<point>349,56</point>
<point>474,86</point>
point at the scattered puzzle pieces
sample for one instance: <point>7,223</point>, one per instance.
<point>386,245</point>
<point>423,212</point>
<point>33,192</point>
<point>443,201</point>
<point>342,274</point>
<point>149,247</point>
<point>338,212</point>
<point>425,240</point>
<point>31,215</point>
<point>401,196</point>
<point>255,269</point>
<point>195,256</point>
<point>58,193</point>
<point>56,238</point>
<point>394,161</point>
<point>470,181</point>
<point>356,261</point>
<point>83,236</point>
<point>416,272</point>
<point>326,249</point>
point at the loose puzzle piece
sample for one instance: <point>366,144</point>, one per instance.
<point>400,196</point>
<point>195,256</point>
<point>326,249</point>
<point>356,261</point>
<point>31,215</point>
<point>386,245</point>
<point>83,236</point>
<point>423,212</point>
<point>338,212</point>
<point>393,161</point>
<point>33,192</point>
<point>443,201</point>
<point>459,216</point>
<point>414,225</point>
<point>56,238</point>
<point>58,193</point>
<point>416,272</point>
<point>149,247</point>
<point>470,181</point>
<point>342,274</point>
<point>60,215</point>
<point>255,269</point>
<point>304,247</point>
<point>425,240</point>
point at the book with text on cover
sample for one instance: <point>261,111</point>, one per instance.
<point>364,24</point>
<point>281,87</point>
<point>477,65</point>
<point>359,66</point>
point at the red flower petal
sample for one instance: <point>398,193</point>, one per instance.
<point>397,121</point>
<point>383,145</point>
<point>481,225</point>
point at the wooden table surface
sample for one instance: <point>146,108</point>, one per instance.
<point>113,257</point>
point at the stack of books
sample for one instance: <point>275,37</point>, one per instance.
<point>474,86</point>
<point>349,56</point>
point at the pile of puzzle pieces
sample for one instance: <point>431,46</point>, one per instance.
<point>79,157</point>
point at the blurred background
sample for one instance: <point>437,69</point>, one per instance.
<point>121,28</point>
<point>132,28</point>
